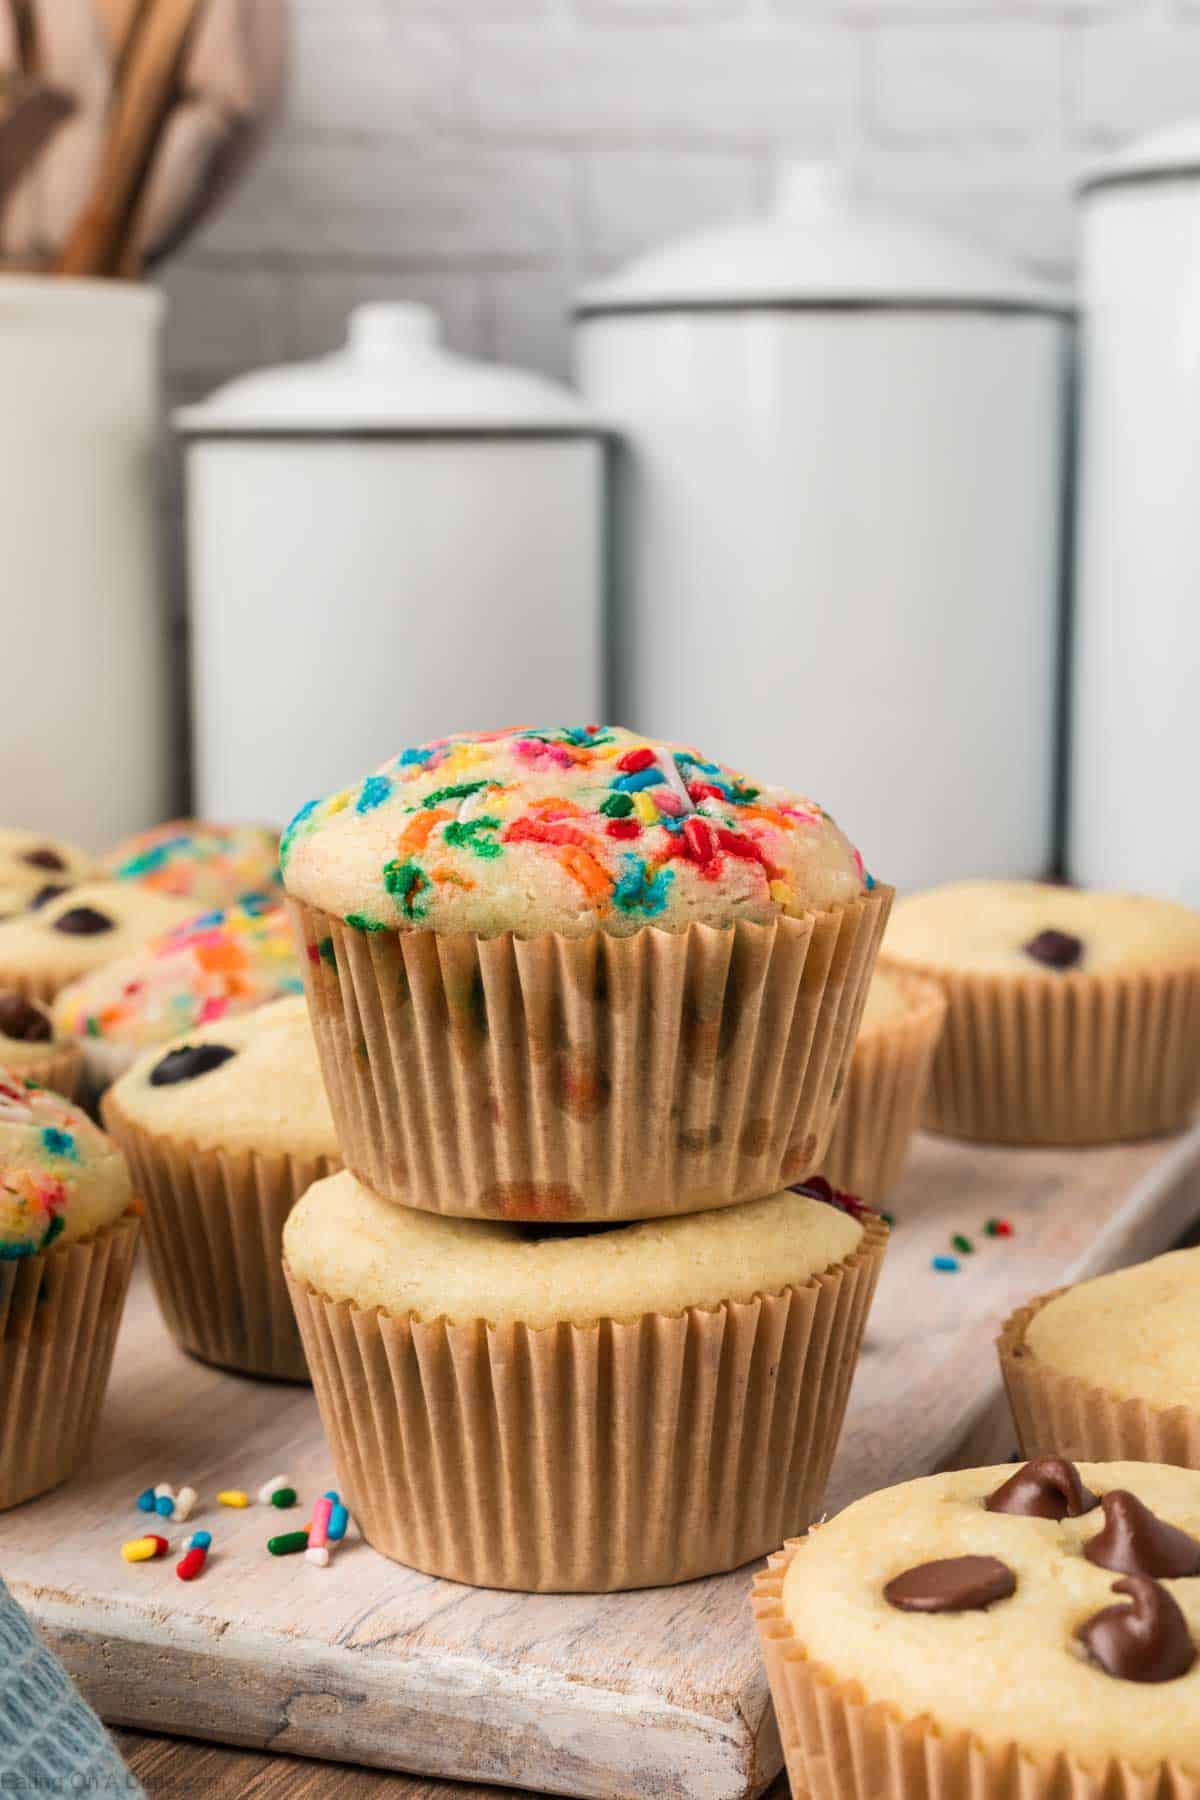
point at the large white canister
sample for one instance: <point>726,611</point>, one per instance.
<point>387,544</point>
<point>838,509</point>
<point>1136,698</point>
<point>84,749</point>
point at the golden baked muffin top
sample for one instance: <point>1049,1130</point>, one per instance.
<point>992,1645</point>
<point>1134,1333</point>
<point>209,864</point>
<point>31,863</point>
<point>246,1083</point>
<point>83,928</point>
<point>60,1178</point>
<point>1027,927</point>
<point>568,829</point>
<point>350,1245</point>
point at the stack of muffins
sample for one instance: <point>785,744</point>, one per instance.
<point>583,1004</point>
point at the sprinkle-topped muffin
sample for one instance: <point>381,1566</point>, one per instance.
<point>194,859</point>
<point>573,974</point>
<point>992,1632</point>
<point>30,865</point>
<point>1073,1016</point>
<point>564,830</point>
<point>61,1178</point>
<point>89,925</point>
<point>67,1241</point>
<point>208,968</point>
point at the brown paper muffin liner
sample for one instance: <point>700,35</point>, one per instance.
<point>884,1093</point>
<point>58,1067</point>
<point>214,1230</point>
<point>59,1314</point>
<point>837,1746</point>
<point>1062,1414</point>
<point>1065,1058</point>
<point>590,1458</point>
<point>587,1078</point>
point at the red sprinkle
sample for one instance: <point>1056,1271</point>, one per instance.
<point>634,761</point>
<point>701,840</point>
<point>1003,1228</point>
<point>704,790</point>
<point>623,828</point>
<point>191,1562</point>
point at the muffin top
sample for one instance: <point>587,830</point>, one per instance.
<point>30,863</point>
<point>567,830</point>
<point>1135,1333</point>
<point>193,859</point>
<point>893,995</point>
<point>350,1245</point>
<point>60,1178</point>
<point>1027,927</point>
<point>26,1033</point>
<point>203,970</point>
<point>83,928</point>
<point>991,1647</point>
<point>251,1083</point>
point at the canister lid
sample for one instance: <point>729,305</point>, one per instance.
<point>392,377</point>
<point>1172,154</point>
<point>821,247</point>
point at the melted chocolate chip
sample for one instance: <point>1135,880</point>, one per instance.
<point>21,1021</point>
<point>187,1062</point>
<point>1055,949</point>
<point>44,858</point>
<point>51,891</point>
<point>955,1584</point>
<point>536,1234</point>
<point>1135,1541</point>
<point>83,921</point>
<point>1147,1641</point>
<point>1046,1488</point>
<point>818,1188</point>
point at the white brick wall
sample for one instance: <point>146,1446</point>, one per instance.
<point>487,155</point>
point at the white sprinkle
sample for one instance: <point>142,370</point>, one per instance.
<point>470,804</point>
<point>164,1490</point>
<point>272,1487</point>
<point>318,1554</point>
<point>674,779</point>
<point>185,1500</point>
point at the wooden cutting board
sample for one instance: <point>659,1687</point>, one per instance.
<point>658,1693</point>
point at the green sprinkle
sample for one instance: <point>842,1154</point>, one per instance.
<point>283,1497</point>
<point>889,1219</point>
<point>288,1543</point>
<point>406,881</point>
<point>326,951</point>
<point>617,806</point>
<point>467,835</point>
<point>360,922</point>
<point>53,1230</point>
<point>961,1243</point>
<point>459,791</point>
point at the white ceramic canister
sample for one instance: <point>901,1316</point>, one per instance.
<point>838,506</point>
<point>1135,736</point>
<point>387,544</point>
<point>84,750</point>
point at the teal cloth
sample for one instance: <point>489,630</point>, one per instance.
<point>51,1742</point>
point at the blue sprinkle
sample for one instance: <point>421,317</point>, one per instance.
<point>339,1518</point>
<point>165,1506</point>
<point>945,1265</point>
<point>871,882</point>
<point>59,1143</point>
<point>200,1540</point>
<point>332,1494</point>
<point>643,778</point>
<point>145,1500</point>
<point>407,758</point>
<point>375,790</point>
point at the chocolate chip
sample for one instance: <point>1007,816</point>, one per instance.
<point>1056,949</point>
<point>537,1234</point>
<point>1046,1488</point>
<point>83,921</point>
<point>21,1021</point>
<point>51,891</point>
<point>44,859</point>
<point>187,1062</point>
<point>955,1584</point>
<point>1147,1641</point>
<point>1135,1541</point>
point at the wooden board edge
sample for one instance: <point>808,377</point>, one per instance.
<point>454,1717</point>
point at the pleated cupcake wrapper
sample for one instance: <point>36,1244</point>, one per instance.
<point>214,1230</point>
<point>1065,1059</point>
<point>59,1314</point>
<point>591,1078</point>
<point>884,1093</point>
<point>55,1066</point>
<point>590,1458</point>
<point>840,1747</point>
<point>1061,1414</point>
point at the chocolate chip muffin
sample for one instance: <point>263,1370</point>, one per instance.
<point>1073,1017</point>
<point>984,1633</point>
<point>33,867</point>
<point>43,950</point>
<point>572,974</point>
<point>30,1047</point>
<point>622,1405</point>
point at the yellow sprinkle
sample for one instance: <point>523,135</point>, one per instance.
<point>337,803</point>
<point>233,1497</point>
<point>782,893</point>
<point>139,1550</point>
<point>645,809</point>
